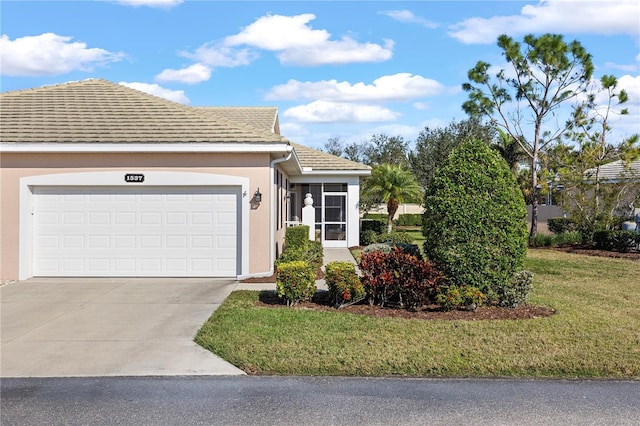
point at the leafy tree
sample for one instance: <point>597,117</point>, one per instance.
<point>433,146</point>
<point>334,146</point>
<point>474,220</point>
<point>392,184</point>
<point>355,152</point>
<point>380,149</point>
<point>591,199</point>
<point>546,72</point>
<point>383,149</point>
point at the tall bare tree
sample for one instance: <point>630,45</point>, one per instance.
<point>545,73</point>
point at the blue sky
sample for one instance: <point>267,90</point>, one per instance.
<point>333,68</point>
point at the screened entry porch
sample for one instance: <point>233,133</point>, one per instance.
<point>333,216</point>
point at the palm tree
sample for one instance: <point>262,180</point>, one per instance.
<point>393,185</point>
<point>510,150</point>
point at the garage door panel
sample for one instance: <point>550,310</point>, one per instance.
<point>135,231</point>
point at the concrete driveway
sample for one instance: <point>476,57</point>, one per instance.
<point>57,327</point>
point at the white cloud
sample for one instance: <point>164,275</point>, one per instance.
<point>300,44</point>
<point>622,126</point>
<point>332,112</point>
<point>410,17</point>
<point>293,41</point>
<point>621,67</point>
<point>277,32</point>
<point>50,54</point>
<point>584,17</point>
<point>217,55</point>
<point>161,4</point>
<point>195,73</point>
<point>161,92</point>
<point>395,87</point>
<point>345,51</point>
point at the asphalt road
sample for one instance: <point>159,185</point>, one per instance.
<point>316,401</point>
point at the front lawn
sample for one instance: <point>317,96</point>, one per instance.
<point>594,333</point>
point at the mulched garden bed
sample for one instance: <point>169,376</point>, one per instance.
<point>320,302</point>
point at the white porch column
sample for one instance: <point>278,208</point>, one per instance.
<point>309,216</point>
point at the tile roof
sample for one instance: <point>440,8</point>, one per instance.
<point>617,170</point>
<point>318,160</point>
<point>99,111</point>
<point>266,118</point>
<point>262,118</point>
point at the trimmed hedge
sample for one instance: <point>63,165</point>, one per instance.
<point>296,281</point>
<point>298,247</point>
<point>395,238</point>
<point>616,240</point>
<point>410,219</point>
<point>296,236</point>
<point>376,225</point>
<point>376,216</point>
<point>474,220</point>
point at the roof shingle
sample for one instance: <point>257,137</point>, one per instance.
<point>99,111</point>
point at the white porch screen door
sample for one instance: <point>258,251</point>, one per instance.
<point>335,220</point>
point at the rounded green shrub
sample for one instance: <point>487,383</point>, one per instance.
<point>474,220</point>
<point>295,281</point>
<point>344,284</point>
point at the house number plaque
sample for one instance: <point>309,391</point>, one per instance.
<point>134,178</point>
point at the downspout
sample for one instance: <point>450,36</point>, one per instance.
<point>272,214</point>
<point>272,207</point>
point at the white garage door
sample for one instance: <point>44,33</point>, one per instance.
<point>141,231</point>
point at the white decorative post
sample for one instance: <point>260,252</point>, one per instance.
<point>309,215</point>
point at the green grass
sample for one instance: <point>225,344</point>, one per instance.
<point>415,232</point>
<point>595,332</point>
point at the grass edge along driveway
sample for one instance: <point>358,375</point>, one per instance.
<point>594,334</point>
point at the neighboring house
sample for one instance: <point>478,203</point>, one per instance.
<point>616,172</point>
<point>98,179</point>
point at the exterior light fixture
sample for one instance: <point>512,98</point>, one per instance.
<point>257,196</point>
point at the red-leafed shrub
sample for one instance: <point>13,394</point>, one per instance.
<point>399,278</point>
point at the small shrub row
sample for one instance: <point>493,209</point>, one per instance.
<point>559,225</point>
<point>410,219</point>
<point>555,240</point>
<point>398,278</point>
<point>297,266</point>
<point>299,247</point>
<point>395,238</point>
<point>616,240</point>
<point>454,297</point>
<point>296,236</point>
<point>376,216</point>
<point>371,237</point>
<point>344,284</point>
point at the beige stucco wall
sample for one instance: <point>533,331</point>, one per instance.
<point>14,166</point>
